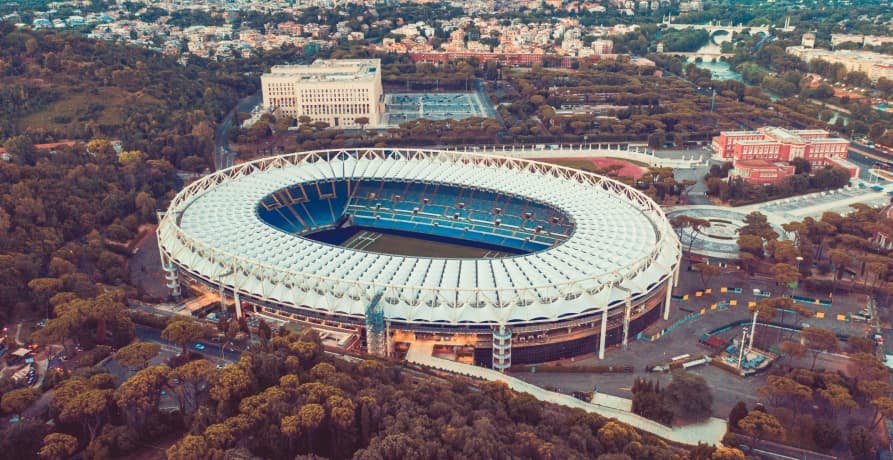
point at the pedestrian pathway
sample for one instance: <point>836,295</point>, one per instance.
<point>710,431</point>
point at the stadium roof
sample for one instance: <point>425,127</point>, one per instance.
<point>622,245</point>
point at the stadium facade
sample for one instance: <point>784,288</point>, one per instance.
<point>587,262</point>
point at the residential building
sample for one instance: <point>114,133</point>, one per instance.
<point>808,40</point>
<point>334,91</point>
<point>601,46</point>
<point>875,65</point>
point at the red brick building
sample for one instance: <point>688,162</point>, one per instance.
<point>763,156</point>
<point>762,171</point>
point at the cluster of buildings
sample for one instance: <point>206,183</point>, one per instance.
<point>52,19</point>
<point>875,65</point>
<point>764,156</point>
<point>565,37</point>
<point>340,92</point>
<point>513,43</point>
<point>864,40</point>
<point>466,34</point>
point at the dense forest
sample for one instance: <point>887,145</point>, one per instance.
<point>61,86</point>
<point>286,399</point>
<point>63,212</point>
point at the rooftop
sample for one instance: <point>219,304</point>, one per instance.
<point>331,70</point>
<point>783,135</point>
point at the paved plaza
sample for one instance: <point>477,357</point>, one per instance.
<point>720,239</point>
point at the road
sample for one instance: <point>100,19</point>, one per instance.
<point>223,157</point>
<point>211,351</point>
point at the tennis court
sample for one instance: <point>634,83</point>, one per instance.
<point>401,107</point>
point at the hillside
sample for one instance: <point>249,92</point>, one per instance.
<point>63,86</point>
<point>59,209</point>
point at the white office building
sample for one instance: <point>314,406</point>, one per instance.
<point>334,91</point>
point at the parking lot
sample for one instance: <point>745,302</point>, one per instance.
<point>727,388</point>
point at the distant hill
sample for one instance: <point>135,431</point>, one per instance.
<point>64,86</point>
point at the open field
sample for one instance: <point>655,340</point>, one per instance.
<point>107,107</point>
<point>407,246</point>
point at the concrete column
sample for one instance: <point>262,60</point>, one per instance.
<point>669,299</point>
<point>222,295</point>
<point>626,315</point>
<point>604,333</point>
<point>676,274</point>
<point>238,304</point>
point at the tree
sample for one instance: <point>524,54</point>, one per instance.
<point>794,350</point>
<point>191,447</point>
<point>310,418</point>
<point>782,389</point>
<point>16,401</point>
<point>858,344</point>
<point>230,330</point>
<point>689,395</point>
<point>751,244</point>
<point>838,396</point>
<point>707,271</point>
<point>657,140</point>
<point>785,274</point>
<point>362,121</point>
<point>137,355</point>
<point>801,165</point>
<point>138,397</point>
<point>614,436</point>
<point>839,260</point>
<point>694,225</point>
<point>228,384</point>
<point>756,223</point>
<point>21,148</point>
<point>58,446</point>
<point>738,412</point>
<point>182,330</point>
<point>291,427</point>
<point>883,409</point>
<point>862,443</point>
<point>89,408</point>
<point>727,453</point>
<point>826,434</point>
<point>186,381</point>
<point>819,340</point>
<point>760,425</point>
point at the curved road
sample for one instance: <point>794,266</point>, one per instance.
<point>223,157</point>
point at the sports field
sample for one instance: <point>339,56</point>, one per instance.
<point>386,243</point>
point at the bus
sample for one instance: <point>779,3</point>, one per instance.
<point>884,165</point>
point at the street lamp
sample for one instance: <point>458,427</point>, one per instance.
<point>741,346</point>
<point>753,325</point>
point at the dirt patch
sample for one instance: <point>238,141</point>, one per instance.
<point>599,165</point>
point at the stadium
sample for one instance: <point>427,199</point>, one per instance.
<point>517,261</point>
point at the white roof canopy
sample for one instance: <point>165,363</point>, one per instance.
<point>622,244</point>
